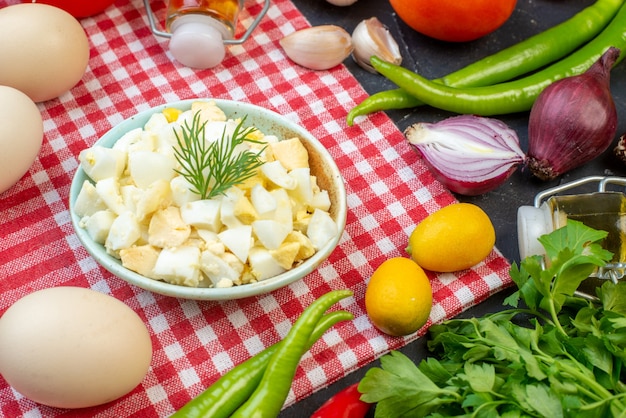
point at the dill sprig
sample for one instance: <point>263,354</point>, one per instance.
<point>212,167</point>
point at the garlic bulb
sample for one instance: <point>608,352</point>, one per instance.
<point>319,47</point>
<point>371,37</point>
<point>341,2</point>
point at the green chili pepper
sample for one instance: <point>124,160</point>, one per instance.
<point>519,59</point>
<point>231,390</point>
<point>538,50</point>
<point>269,397</point>
<point>384,100</point>
<point>513,96</point>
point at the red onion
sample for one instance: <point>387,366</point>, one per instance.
<point>469,154</point>
<point>573,120</point>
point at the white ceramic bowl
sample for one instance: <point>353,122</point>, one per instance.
<point>322,165</point>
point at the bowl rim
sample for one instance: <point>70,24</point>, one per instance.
<point>230,107</point>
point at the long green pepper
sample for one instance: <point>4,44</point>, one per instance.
<point>519,59</point>
<point>269,396</point>
<point>538,50</point>
<point>231,390</point>
<point>513,96</point>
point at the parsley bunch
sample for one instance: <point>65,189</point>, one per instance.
<point>557,356</point>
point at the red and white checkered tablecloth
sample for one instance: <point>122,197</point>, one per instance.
<point>389,192</point>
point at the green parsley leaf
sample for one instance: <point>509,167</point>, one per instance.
<point>613,296</point>
<point>544,401</point>
<point>480,377</point>
<point>399,388</point>
<point>573,254</point>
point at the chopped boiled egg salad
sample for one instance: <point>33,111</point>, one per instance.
<point>193,199</point>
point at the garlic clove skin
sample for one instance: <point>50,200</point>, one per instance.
<point>341,2</point>
<point>620,148</point>
<point>371,37</point>
<point>319,47</point>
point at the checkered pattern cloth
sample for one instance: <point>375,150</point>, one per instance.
<point>389,191</point>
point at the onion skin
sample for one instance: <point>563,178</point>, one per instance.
<point>620,148</point>
<point>468,154</point>
<point>573,121</point>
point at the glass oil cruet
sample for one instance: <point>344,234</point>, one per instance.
<point>601,209</point>
<point>199,30</point>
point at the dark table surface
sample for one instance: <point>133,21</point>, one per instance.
<point>433,59</point>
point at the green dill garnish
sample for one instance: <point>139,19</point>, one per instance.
<point>212,167</point>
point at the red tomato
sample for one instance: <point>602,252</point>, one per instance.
<point>77,8</point>
<point>454,20</point>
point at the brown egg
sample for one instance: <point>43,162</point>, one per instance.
<point>72,347</point>
<point>44,50</point>
<point>21,135</point>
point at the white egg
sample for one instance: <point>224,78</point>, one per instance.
<point>72,347</point>
<point>44,50</point>
<point>21,135</point>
